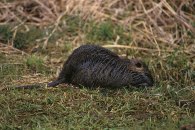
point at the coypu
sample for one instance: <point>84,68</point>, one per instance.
<point>95,66</point>
<point>92,66</point>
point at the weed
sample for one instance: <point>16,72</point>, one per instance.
<point>107,31</point>
<point>2,58</point>
<point>6,33</point>
<point>73,24</point>
<point>102,32</point>
<point>9,72</point>
<point>22,38</point>
<point>35,64</point>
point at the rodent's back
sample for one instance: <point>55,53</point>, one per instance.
<point>90,52</point>
<point>80,56</point>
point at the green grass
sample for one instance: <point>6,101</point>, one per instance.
<point>9,70</point>
<point>36,64</point>
<point>81,108</point>
<point>107,31</point>
<point>168,105</point>
<point>22,38</point>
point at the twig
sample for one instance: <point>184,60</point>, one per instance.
<point>55,28</point>
<point>178,17</point>
<point>140,48</point>
<point>15,49</point>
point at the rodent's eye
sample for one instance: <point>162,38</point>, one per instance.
<point>138,65</point>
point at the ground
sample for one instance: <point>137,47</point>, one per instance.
<point>33,51</point>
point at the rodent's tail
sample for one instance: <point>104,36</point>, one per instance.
<point>55,83</point>
<point>37,86</point>
<point>30,86</point>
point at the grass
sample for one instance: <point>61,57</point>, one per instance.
<point>168,105</point>
<point>81,108</point>
<point>69,107</point>
<point>36,64</point>
<point>107,31</point>
<point>21,37</point>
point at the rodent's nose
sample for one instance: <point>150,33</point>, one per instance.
<point>149,80</point>
<point>150,83</point>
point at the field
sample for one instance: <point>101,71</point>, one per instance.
<point>37,36</point>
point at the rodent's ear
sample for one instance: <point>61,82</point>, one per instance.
<point>136,65</point>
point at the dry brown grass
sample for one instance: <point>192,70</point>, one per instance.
<point>153,24</point>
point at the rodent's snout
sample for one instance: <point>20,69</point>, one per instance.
<point>142,79</point>
<point>141,76</point>
<point>148,79</point>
